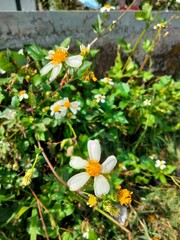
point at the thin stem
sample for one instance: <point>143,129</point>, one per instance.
<point>42,219</point>
<point>53,223</point>
<point>109,30</point>
<point>50,166</point>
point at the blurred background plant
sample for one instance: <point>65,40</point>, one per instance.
<point>130,110</point>
<point>94,4</point>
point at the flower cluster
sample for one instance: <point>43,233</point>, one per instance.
<point>59,108</point>
<point>27,178</point>
<point>124,197</point>
<point>92,169</point>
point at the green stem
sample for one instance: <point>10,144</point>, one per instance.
<point>135,46</point>
<point>72,129</point>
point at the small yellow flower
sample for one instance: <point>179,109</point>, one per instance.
<point>84,50</point>
<point>27,178</point>
<point>125,197</point>
<point>159,25</point>
<point>151,217</point>
<point>155,238</point>
<point>92,201</point>
<point>27,77</point>
<point>118,187</point>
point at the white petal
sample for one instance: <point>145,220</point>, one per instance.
<point>101,186</point>
<point>78,162</point>
<point>94,150</point>
<point>58,115</point>
<point>108,164</point>
<point>78,181</point>
<point>55,72</point>
<point>75,107</point>
<point>46,68</point>
<point>74,61</point>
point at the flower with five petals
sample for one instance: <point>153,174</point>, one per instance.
<point>92,169</point>
<point>57,59</point>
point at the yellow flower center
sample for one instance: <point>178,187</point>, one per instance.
<point>67,104</point>
<point>125,196</point>
<point>56,108</point>
<point>107,79</point>
<point>107,5</point>
<point>161,164</point>
<point>59,56</point>
<point>22,92</point>
<point>92,201</point>
<point>93,168</point>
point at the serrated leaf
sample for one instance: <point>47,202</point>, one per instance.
<point>35,52</point>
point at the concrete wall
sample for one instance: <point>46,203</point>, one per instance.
<point>10,5</point>
<point>48,28</point>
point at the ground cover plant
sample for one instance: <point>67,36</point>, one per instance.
<point>84,157</point>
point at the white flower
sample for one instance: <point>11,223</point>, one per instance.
<point>107,80</point>
<point>57,58</point>
<point>100,98</point>
<point>23,95</point>
<point>107,8</point>
<point>147,102</point>
<point>92,169</point>
<point>160,164</point>
<point>153,156</point>
<point>57,110</point>
<point>73,106</point>
<point>84,50</point>
<point>86,234</point>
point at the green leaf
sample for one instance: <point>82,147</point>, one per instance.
<point>67,236</point>
<point>85,66</point>
<point>162,178</point>
<point>124,89</point>
<point>5,63</point>
<point>33,229</point>
<point>19,59</point>
<point>4,81</point>
<point>21,212</point>
<point>35,52</point>
<point>1,97</point>
<point>169,169</point>
<point>123,105</point>
<point>66,42</point>
<point>15,101</point>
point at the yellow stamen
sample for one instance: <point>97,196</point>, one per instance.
<point>93,168</point>
<point>107,5</point>
<point>56,108</point>
<point>92,201</point>
<point>22,92</point>
<point>107,79</point>
<point>59,56</point>
<point>125,197</point>
<point>67,104</point>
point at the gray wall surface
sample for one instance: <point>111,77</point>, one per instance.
<point>48,28</point>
